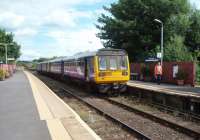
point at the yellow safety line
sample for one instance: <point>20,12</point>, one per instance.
<point>74,113</point>
<point>55,127</point>
<point>57,130</point>
<point>43,110</point>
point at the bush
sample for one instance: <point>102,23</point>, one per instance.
<point>145,71</point>
<point>181,75</point>
<point>2,74</point>
<point>198,73</point>
<point>7,74</point>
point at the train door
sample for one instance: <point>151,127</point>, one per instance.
<point>62,67</point>
<point>89,68</point>
<point>86,70</point>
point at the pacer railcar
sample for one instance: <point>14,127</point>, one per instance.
<point>105,70</point>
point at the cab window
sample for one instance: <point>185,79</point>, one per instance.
<point>102,63</point>
<point>113,62</point>
<point>123,63</point>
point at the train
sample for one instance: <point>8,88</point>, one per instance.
<point>105,70</point>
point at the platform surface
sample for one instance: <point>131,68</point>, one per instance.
<point>167,88</point>
<point>31,111</point>
<point>19,118</point>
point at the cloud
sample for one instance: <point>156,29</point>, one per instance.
<point>48,27</point>
<point>27,32</point>
<point>76,41</point>
<point>29,54</point>
<point>63,43</point>
<point>9,19</point>
<point>30,6</point>
<point>195,3</point>
<point>60,17</point>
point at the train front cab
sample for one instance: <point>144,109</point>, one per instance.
<point>112,73</point>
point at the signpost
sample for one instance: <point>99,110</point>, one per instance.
<point>159,21</point>
<point>6,51</point>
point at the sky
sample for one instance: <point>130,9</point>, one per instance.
<point>47,28</point>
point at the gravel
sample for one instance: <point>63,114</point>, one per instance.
<point>150,128</point>
<point>103,127</point>
<point>133,102</point>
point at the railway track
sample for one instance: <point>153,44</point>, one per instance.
<point>139,134</point>
<point>123,117</point>
<point>170,124</point>
<point>170,109</point>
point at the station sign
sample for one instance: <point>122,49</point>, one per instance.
<point>159,55</point>
<point>151,59</point>
<point>11,59</point>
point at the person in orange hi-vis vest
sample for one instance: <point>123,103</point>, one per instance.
<point>158,72</point>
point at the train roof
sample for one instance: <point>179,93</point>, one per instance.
<point>53,60</point>
<point>81,55</point>
<point>104,51</point>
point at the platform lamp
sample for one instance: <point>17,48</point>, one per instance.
<point>6,49</point>
<point>162,54</point>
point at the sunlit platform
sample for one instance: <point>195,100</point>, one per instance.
<point>30,110</point>
<point>167,88</point>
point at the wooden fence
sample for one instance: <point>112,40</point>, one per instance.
<point>168,71</point>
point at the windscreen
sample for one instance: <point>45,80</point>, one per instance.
<point>102,63</point>
<point>123,63</point>
<point>113,62</point>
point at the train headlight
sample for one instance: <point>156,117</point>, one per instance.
<point>124,73</point>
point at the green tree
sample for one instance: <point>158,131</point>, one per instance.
<point>193,33</point>
<point>131,25</point>
<point>13,50</point>
<point>175,50</point>
<point>177,24</point>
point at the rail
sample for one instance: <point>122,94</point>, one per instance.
<point>189,132</point>
<point>125,126</point>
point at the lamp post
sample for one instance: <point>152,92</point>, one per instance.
<point>6,50</point>
<point>162,53</point>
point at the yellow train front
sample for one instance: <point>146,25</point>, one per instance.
<point>111,70</point>
<point>105,70</point>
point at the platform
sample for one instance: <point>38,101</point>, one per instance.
<point>31,111</point>
<point>186,91</point>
